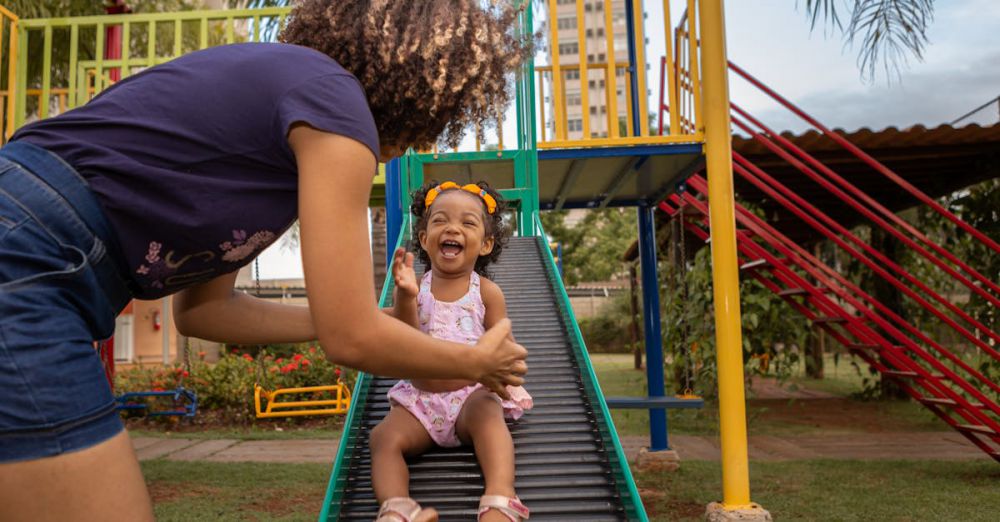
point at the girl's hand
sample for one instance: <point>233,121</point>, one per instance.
<point>502,363</point>
<point>403,274</point>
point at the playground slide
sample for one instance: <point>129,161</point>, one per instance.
<point>570,465</point>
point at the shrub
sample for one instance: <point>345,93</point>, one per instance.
<point>227,386</point>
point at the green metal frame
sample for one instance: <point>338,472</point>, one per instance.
<point>617,459</point>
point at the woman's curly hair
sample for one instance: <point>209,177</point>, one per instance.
<point>430,68</point>
<point>496,227</point>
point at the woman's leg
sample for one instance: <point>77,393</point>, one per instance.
<point>481,423</point>
<point>98,484</point>
<point>399,435</point>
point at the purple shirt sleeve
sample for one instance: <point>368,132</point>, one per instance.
<point>333,103</point>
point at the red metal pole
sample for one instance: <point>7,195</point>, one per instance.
<point>113,37</point>
<point>872,162</point>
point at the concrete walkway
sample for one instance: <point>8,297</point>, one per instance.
<point>866,446</point>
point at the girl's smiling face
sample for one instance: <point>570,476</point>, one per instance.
<point>455,236</point>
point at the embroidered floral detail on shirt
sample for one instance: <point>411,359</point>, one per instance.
<point>242,247</point>
<point>157,270</point>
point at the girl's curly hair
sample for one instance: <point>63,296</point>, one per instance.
<point>430,68</point>
<point>496,227</point>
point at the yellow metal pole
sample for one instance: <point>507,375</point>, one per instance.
<point>725,276</point>
<point>558,115</point>
<point>584,74</point>
<point>639,19</point>
<point>671,65</point>
<point>610,81</point>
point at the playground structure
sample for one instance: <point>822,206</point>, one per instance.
<point>570,462</point>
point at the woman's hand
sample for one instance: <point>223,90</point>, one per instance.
<point>403,274</point>
<point>502,360</point>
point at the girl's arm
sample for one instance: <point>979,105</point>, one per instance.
<point>335,175</point>
<point>406,288</point>
<point>493,300</point>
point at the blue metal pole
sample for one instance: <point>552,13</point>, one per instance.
<point>651,320</point>
<point>632,65</point>
<point>393,208</point>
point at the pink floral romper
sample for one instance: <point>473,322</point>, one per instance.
<point>460,321</point>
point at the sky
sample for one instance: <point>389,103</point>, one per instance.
<point>771,39</point>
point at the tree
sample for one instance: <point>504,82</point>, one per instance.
<point>888,31</point>
<point>592,249</point>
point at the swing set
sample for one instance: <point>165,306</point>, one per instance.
<point>267,403</point>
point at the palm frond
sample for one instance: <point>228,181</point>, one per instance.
<point>889,32</point>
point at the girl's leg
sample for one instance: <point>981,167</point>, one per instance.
<point>400,434</point>
<point>481,423</point>
<point>99,483</point>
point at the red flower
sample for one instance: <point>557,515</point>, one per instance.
<point>337,372</point>
<point>305,362</point>
<point>185,373</point>
<point>201,354</point>
<point>248,357</point>
<point>272,369</point>
<point>157,389</point>
<point>280,360</point>
<point>297,357</point>
<point>312,349</point>
<point>289,367</point>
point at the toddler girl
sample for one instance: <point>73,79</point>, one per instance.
<point>460,231</point>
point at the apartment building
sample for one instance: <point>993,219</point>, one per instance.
<point>594,47</point>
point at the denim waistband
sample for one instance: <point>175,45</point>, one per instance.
<point>105,255</point>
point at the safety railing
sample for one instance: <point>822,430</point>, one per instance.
<point>600,99</point>
<point>57,64</point>
<point>8,67</point>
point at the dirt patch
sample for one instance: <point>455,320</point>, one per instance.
<point>771,388</point>
<point>830,415</point>
<point>283,502</point>
<point>163,492</point>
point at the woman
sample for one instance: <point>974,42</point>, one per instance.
<point>170,181</point>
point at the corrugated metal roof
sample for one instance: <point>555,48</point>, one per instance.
<point>890,137</point>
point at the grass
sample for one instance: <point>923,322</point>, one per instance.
<point>220,492</point>
<point>819,490</point>
<point>771,416</point>
<point>815,490</point>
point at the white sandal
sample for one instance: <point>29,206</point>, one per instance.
<point>398,509</point>
<point>511,508</point>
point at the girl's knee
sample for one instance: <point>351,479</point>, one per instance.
<point>384,438</point>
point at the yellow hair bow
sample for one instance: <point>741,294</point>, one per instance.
<point>432,194</point>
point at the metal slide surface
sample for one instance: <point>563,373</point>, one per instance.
<point>569,461</point>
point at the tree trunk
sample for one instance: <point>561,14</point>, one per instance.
<point>633,328</point>
<point>814,353</point>
<point>889,295</point>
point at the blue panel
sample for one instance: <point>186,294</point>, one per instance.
<point>393,208</point>
<point>651,323</point>
<point>633,67</point>
<point>628,150</point>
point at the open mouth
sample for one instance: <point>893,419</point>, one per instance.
<point>451,249</point>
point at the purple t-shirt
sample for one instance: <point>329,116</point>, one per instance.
<point>190,159</point>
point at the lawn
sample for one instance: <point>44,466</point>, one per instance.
<point>839,414</point>
<point>800,490</point>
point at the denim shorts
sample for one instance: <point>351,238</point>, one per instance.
<point>60,290</point>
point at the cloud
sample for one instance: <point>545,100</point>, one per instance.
<point>928,98</point>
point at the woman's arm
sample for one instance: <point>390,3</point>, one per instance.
<point>216,312</point>
<point>335,174</point>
